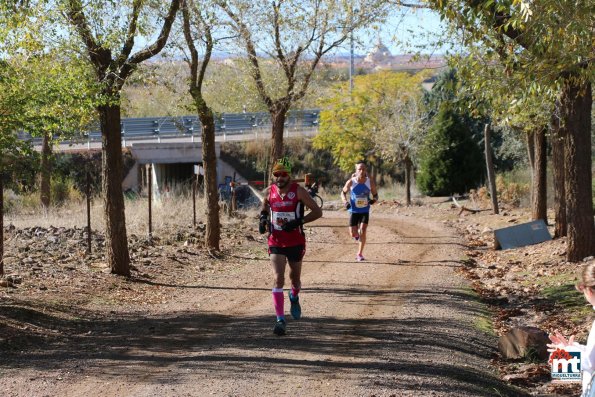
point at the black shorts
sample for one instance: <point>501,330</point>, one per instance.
<point>293,254</point>
<point>357,218</point>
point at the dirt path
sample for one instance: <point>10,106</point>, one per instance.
<point>400,324</point>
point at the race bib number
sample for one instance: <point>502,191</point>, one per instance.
<point>361,201</point>
<point>281,218</point>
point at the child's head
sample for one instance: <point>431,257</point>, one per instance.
<point>587,277</point>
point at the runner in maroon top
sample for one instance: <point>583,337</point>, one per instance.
<point>283,216</point>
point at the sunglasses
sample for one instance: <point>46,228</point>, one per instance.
<point>280,174</point>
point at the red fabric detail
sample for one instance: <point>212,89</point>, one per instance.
<point>289,203</point>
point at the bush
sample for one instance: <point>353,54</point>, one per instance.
<point>252,158</point>
<point>450,161</point>
<point>63,190</point>
<point>512,193</point>
<point>20,203</point>
<point>73,167</point>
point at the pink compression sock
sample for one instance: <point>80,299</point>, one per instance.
<point>295,290</point>
<point>278,302</point>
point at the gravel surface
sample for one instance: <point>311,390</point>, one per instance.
<point>402,323</point>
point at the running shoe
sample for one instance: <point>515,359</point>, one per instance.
<point>360,258</point>
<point>296,309</point>
<point>280,326</point>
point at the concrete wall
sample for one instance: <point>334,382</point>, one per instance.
<point>159,155</point>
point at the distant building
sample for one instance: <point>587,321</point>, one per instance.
<point>379,54</point>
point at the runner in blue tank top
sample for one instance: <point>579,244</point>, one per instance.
<point>359,188</point>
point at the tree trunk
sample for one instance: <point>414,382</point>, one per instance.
<point>408,167</point>
<point>576,101</point>
<point>209,158</point>
<point>487,137</point>
<point>531,158</point>
<point>117,255</point>
<point>558,171</point>
<point>531,150</point>
<point>45,171</point>
<point>278,115</point>
<point>539,171</point>
<point>1,223</point>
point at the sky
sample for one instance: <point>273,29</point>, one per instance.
<point>404,33</point>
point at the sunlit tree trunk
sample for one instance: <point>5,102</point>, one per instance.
<point>576,101</point>
<point>557,140</point>
<point>117,255</point>
<point>209,157</point>
<point>278,117</point>
<point>408,169</point>
<point>45,172</point>
<point>487,133</point>
<point>539,172</point>
<point>206,117</point>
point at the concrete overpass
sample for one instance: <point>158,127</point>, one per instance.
<point>173,159</point>
<point>171,146</point>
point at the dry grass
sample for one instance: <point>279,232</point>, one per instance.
<point>168,213</point>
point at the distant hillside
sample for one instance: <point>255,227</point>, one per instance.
<point>390,62</point>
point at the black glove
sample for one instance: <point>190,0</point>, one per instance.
<point>291,225</point>
<point>374,199</point>
<point>347,205</point>
<point>262,223</point>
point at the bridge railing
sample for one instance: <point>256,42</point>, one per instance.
<point>189,126</point>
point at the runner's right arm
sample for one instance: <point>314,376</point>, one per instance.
<point>344,194</point>
<point>265,207</point>
<point>263,220</point>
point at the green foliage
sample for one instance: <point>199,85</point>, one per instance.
<point>251,158</point>
<point>161,88</point>
<point>544,40</point>
<point>73,167</point>
<point>345,131</point>
<point>450,88</point>
<point>512,190</point>
<point>64,190</point>
<point>58,92</point>
<point>507,97</point>
<point>355,126</point>
<point>17,157</point>
<point>19,165</point>
<point>451,161</point>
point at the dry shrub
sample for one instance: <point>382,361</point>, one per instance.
<point>481,195</point>
<point>511,193</point>
<point>258,148</point>
<point>64,191</point>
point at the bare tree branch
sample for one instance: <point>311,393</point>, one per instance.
<point>129,43</point>
<point>252,56</point>
<point>99,55</point>
<point>161,40</point>
<point>190,44</point>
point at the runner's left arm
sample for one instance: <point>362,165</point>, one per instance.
<point>374,191</point>
<point>315,210</point>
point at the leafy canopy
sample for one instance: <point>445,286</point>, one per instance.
<point>353,125</point>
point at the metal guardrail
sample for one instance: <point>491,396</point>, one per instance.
<point>186,126</point>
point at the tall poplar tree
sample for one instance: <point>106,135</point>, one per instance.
<point>551,42</point>
<point>108,32</point>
